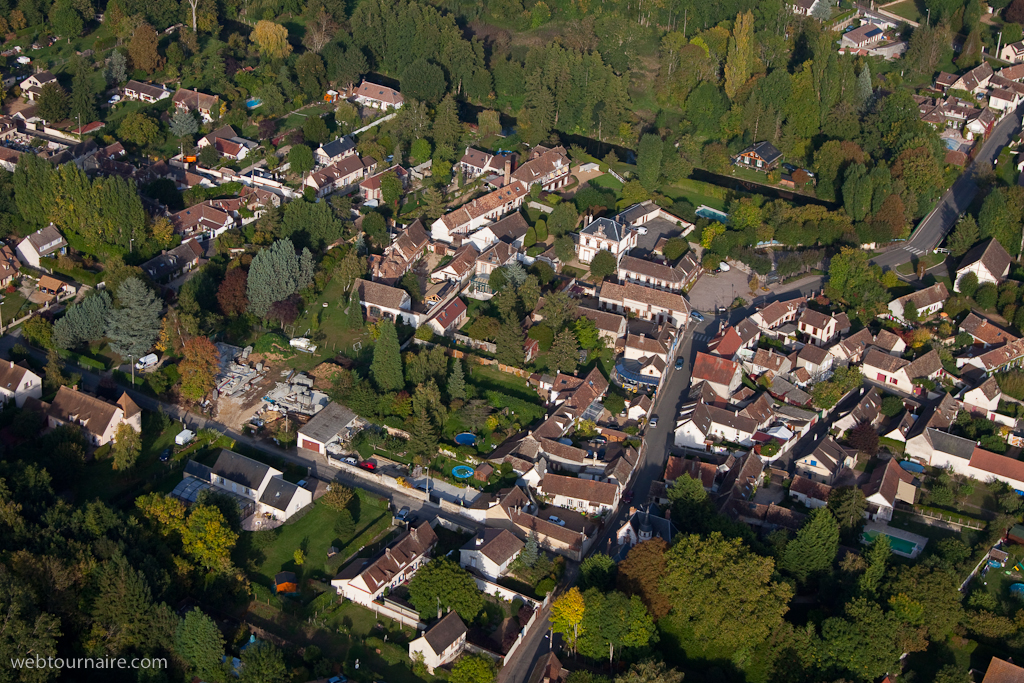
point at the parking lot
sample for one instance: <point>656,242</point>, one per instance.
<point>656,229</point>
<point>713,290</point>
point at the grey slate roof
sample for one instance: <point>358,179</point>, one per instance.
<point>612,230</point>
<point>279,493</point>
<point>947,443</point>
<point>326,424</point>
<point>444,633</point>
<point>240,469</point>
<point>337,147</point>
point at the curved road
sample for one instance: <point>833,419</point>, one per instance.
<point>958,197</point>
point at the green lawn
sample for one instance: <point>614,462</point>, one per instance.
<point>314,533</point>
<point>607,182</point>
<point>327,326</point>
<point>929,260</point>
<point>907,9</point>
<point>697,193</point>
<point>13,305</point>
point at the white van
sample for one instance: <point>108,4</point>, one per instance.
<point>147,362</point>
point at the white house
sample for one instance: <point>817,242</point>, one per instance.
<point>382,301</point>
<point>707,424</point>
<point>1002,357</point>
<point>645,303</point>
<point>378,96</point>
<point>983,400</point>
<point>475,163</point>
<point>1012,52</point>
<point>99,419</point>
<point>811,493</point>
<point>816,360</point>
<point>145,92</point>
<point>585,495</point>
<point>988,261</point>
<point>821,328</point>
<point>547,167</point>
<point>650,274</point>
<point>334,424</point>
<point>511,229</point>
<point>490,552</point>
<point>334,151</point>
<point>449,317</point>
<point>441,643</point>
<point>208,106</point>
<point>42,243</point>
<point>986,466</point>
<point>888,485</point>
<point>778,313</point>
<point>344,173</point>
<point>605,234</point>
<point>461,267</point>
<point>899,373</point>
<point>32,87</point>
<point>227,143</point>
<point>18,383</point>
<point>478,212</point>
<point>926,302</point>
<point>826,462</point>
<point>281,499</point>
<point>364,580</point>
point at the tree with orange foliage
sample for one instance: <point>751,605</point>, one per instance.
<point>198,368</point>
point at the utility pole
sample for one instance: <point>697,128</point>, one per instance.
<point>998,44</point>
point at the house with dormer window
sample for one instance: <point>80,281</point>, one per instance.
<point>605,234</point>
<point>365,580</point>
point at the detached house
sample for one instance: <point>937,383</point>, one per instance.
<point>400,256</point>
<point>449,318</point>
<point>382,301</point>
<point>98,418</point>
<point>988,261</point>
<point>18,383</point>
<point>378,96</point>
<point>334,151</point>
<point>983,400</point>
<point>475,163</point>
<point>762,156</point>
<point>364,580</point>
<point>605,234</point>
<point>9,266</point>
<point>32,87</point>
<point>741,336</point>
<point>708,424</point>
<point>208,106</point>
<point>370,189</point>
<point>1012,53</point>
<point>462,266</point>
<point>984,332</point>
<point>650,274</point>
<point>201,219</point>
<point>511,229</point>
<point>173,263</point>
<point>925,302</point>
<point>888,485</point>
<point>342,174</point>
<point>778,313</point>
<point>42,243</point>
<point>490,552</point>
<point>975,80</point>
<point>145,92</point>
<point>227,143</point>
<point>827,462</point>
<point>547,167</point>
<point>441,643</point>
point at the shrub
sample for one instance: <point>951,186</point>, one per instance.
<point>545,586</point>
<point>986,296</point>
<point>543,335</point>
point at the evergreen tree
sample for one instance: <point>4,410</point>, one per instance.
<point>538,113</point>
<point>53,103</point>
<point>864,88</point>
<point>878,559</point>
<point>353,312</point>
<point>510,344</point>
<point>118,70</point>
<point>134,326</point>
<point>648,161</point>
<point>386,368</point>
<point>83,99</point>
<point>423,439</point>
<point>564,355</point>
<point>307,268</point>
<point>457,383</point>
<point>200,643</point>
<point>184,124</point>
<point>273,276</point>
<point>531,551</point>
<point>857,192</point>
<point>447,130</point>
<point>814,548</point>
<point>83,322</point>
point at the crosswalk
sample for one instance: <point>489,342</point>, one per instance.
<point>701,337</point>
<point>914,250</point>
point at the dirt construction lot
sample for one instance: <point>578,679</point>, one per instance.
<point>719,290</point>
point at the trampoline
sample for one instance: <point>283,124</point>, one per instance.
<point>464,472</point>
<point>465,439</point>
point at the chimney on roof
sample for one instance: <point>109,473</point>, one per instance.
<point>508,169</point>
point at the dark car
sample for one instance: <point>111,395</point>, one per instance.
<point>628,496</point>
<point>790,168</point>
<point>679,363</point>
<point>367,465</point>
<point>166,455</point>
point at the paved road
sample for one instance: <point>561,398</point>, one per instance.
<point>954,203</point>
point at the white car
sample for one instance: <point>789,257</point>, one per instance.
<point>641,231</point>
<point>556,520</point>
<point>724,267</point>
<point>114,99</point>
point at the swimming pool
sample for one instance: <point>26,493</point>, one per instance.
<point>462,472</point>
<point>253,102</point>
<point>465,439</point>
<point>898,545</point>
<point>713,214</point>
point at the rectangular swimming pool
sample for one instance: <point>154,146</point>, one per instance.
<point>899,545</point>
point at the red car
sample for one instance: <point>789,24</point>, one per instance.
<point>367,465</point>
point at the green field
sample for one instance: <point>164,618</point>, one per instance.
<point>327,326</point>
<point>907,9</point>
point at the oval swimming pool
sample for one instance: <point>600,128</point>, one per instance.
<point>465,439</point>
<point>462,472</point>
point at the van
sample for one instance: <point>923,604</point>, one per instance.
<point>147,362</point>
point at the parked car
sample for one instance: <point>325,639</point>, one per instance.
<point>679,363</point>
<point>350,461</point>
<point>627,497</point>
<point>166,455</point>
<point>724,267</point>
<point>147,361</point>
<point>556,520</point>
<point>695,315</point>
<point>790,168</point>
<point>403,514</point>
<point>115,99</point>
<point>641,231</point>
<point>367,465</point>
<point>654,421</point>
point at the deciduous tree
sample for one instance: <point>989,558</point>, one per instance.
<point>641,573</point>
<point>53,103</point>
<point>143,49</point>
<point>207,538</point>
<point>603,265</point>
<point>472,669</point>
<point>567,612</point>
<point>198,368</point>
<point>231,292</point>
<point>139,129</point>
<point>271,39</point>
<point>127,447</point>
<point>443,583</point>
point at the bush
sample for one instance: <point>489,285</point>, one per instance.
<point>986,296</point>
<point>968,284</point>
<point>545,586</point>
<point>892,406</point>
<point>543,335</point>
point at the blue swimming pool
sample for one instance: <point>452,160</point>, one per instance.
<point>253,102</point>
<point>712,214</point>
<point>462,472</point>
<point>465,439</point>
